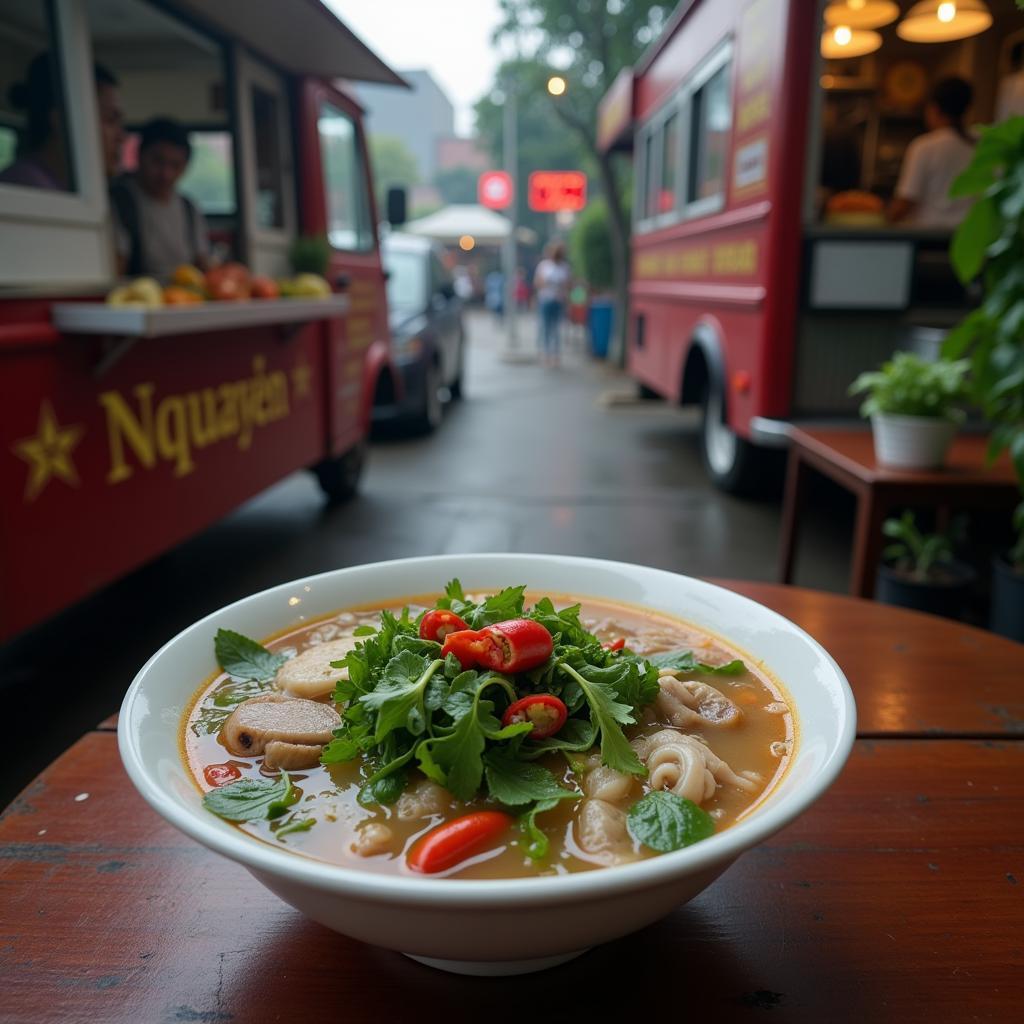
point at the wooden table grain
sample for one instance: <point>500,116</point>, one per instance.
<point>898,897</point>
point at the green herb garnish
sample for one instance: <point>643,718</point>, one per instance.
<point>665,822</point>
<point>245,660</point>
<point>250,799</point>
<point>686,661</point>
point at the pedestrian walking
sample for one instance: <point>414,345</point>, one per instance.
<point>551,283</point>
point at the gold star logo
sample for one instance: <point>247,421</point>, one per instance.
<point>48,453</point>
<point>301,374</point>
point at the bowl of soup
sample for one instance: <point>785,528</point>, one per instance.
<point>491,762</point>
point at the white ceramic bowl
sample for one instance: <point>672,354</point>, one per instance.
<point>496,926</point>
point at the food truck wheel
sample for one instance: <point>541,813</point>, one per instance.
<point>455,388</point>
<point>339,477</point>
<point>733,463</point>
<point>429,418</point>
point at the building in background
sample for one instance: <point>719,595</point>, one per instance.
<point>419,116</point>
<point>455,152</point>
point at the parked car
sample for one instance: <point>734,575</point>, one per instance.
<point>428,337</point>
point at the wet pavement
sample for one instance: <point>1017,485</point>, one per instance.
<point>532,459</point>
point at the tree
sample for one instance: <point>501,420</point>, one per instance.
<point>588,42</point>
<point>393,165</point>
<point>544,144</point>
<point>457,184</point>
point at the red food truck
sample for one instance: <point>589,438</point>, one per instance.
<point>126,429</point>
<point>767,137</point>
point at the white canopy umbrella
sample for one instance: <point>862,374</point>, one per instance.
<point>451,223</point>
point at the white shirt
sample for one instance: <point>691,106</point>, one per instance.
<point>552,281</point>
<point>932,163</point>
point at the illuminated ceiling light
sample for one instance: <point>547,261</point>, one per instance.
<point>939,21</point>
<point>467,243</point>
<point>843,41</point>
<point>861,13</point>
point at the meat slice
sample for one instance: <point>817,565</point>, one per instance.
<point>259,721</point>
<point>601,832</point>
<point>604,783</point>
<point>292,757</point>
<point>688,704</point>
<point>309,674</point>
<point>689,768</point>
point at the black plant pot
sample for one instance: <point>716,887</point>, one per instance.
<point>1007,616</point>
<point>946,596</point>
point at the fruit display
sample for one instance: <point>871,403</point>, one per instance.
<point>306,286</point>
<point>229,282</point>
<point>143,291</point>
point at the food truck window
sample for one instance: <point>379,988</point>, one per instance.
<point>348,208</point>
<point>710,122</point>
<point>35,151</point>
<point>266,121</point>
<point>668,184</point>
<point>209,180</point>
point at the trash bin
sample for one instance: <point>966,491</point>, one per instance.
<point>599,320</point>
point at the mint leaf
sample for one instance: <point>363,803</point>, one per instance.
<point>608,714</point>
<point>686,661</point>
<point>249,799</point>
<point>245,660</point>
<point>665,822</point>
<point>538,846</point>
<point>514,782</point>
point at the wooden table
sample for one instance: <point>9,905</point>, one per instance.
<point>898,897</point>
<point>848,458</point>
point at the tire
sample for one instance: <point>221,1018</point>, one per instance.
<point>339,476</point>
<point>455,388</point>
<point>734,464</point>
<point>429,418</point>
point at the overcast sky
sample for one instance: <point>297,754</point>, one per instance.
<point>451,39</point>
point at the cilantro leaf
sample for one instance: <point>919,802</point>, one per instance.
<point>686,661</point>
<point>249,799</point>
<point>514,782</point>
<point>609,714</point>
<point>538,846</point>
<point>506,604</point>
<point>296,825</point>
<point>665,822</point>
<point>577,734</point>
<point>245,660</point>
<point>454,760</point>
<point>398,697</point>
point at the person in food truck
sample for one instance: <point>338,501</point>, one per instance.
<point>156,227</point>
<point>42,160</point>
<point>934,160</point>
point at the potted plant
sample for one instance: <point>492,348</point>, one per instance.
<point>989,244</point>
<point>919,570</point>
<point>913,407</point>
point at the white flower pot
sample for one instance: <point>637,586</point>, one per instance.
<point>911,442</point>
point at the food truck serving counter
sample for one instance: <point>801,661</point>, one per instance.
<point>126,429</point>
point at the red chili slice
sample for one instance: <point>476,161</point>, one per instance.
<point>615,645</point>
<point>544,710</point>
<point>436,625</point>
<point>221,774</point>
<point>448,844</point>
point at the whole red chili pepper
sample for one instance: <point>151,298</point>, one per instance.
<point>437,624</point>
<point>513,646</point>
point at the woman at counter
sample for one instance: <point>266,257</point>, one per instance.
<point>934,160</point>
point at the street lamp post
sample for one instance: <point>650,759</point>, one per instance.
<point>508,256</point>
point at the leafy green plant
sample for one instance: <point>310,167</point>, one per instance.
<point>989,244</point>
<point>916,553</point>
<point>310,254</point>
<point>590,245</point>
<point>908,385</point>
